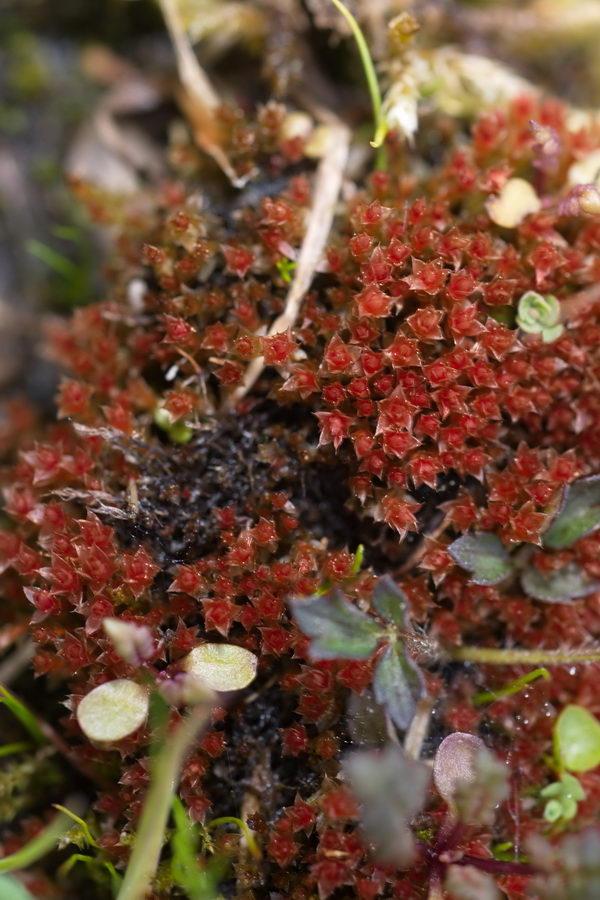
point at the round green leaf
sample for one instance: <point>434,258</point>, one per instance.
<point>577,739</point>
<point>222,667</point>
<point>113,710</point>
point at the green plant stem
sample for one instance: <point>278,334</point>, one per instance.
<point>513,688</point>
<point>370,74</point>
<point>165,773</point>
<point>498,656</point>
<point>42,843</point>
<point>244,828</point>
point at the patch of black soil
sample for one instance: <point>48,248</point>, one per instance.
<point>236,462</point>
<point>253,763</point>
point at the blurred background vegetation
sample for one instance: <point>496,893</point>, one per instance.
<point>84,90</point>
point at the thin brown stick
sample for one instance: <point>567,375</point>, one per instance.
<point>327,187</point>
<point>197,97</point>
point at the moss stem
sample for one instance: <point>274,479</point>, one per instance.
<point>499,656</point>
<point>164,779</point>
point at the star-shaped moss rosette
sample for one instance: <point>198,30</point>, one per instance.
<point>540,314</point>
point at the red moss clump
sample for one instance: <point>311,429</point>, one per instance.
<point>433,416</point>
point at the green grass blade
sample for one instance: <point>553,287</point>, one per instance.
<point>42,844</point>
<point>20,712</point>
<point>15,747</point>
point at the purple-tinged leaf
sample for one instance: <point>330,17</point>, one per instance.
<point>562,586</point>
<point>337,629</point>
<point>578,516</point>
<point>398,685</point>
<point>390,601</point>
<point>484,555</point>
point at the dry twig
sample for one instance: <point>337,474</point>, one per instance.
<point>197,97</point>
<point>327,187</point>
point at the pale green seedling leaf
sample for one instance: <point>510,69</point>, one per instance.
<point>577,739</point>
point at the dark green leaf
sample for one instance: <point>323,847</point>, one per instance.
<point>337,629</point>
<point>579,515</point>
<point>397,685</point>
<point>484,555</point>
<point>390,601</point>
<point>391,789</point>
<point>562,586</point>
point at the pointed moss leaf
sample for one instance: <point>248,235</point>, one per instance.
<point>390,601</point>
<point>484,555</point>
<point>577,739</point>
<point>337,629</point>
<point>579,516</point>
<point>397,685</point>
<point>562,586</point>
<point>391,789</point>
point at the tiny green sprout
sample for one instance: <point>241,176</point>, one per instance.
<point>359,558</point>
<point>177,431</point>
<point>539,314</point>
<point>286,268</point>
<point>576,740</point>
<point>563,797</point>
<point>381,127</point>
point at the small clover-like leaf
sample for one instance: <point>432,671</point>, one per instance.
<point>390,601</point>
<point>391,789</point>
<point>563,586</point>
<point>540,314</point>
<point>484,555</point>
<point>563,797</point>
<point>397,685</point>
<point>337,629</point>
<point>113,710</point>
<point>222,667</point>
<point>579,515</point>
<point>577,739</point>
